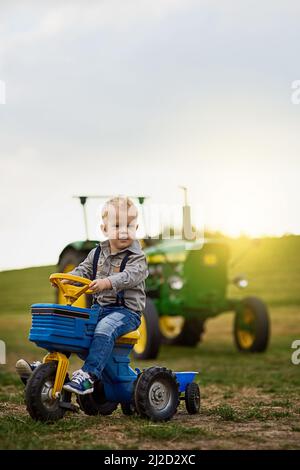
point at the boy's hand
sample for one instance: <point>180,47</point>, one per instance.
<point>100,284</point>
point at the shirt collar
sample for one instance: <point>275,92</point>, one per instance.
<point>135,247</point>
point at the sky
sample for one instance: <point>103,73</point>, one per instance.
<point>139,97</point>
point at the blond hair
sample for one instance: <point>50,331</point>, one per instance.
<point>119,203</point>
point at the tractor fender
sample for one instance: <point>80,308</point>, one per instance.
<point>81,245</point>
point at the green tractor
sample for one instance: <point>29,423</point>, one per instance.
<point>187,284</point>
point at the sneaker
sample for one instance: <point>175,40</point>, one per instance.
<point>81,383</point>
<point>24,369</point>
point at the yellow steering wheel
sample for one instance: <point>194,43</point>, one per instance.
<point>69,291</point>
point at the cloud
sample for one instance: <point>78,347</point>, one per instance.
<point>54,18</point>
<point>141,96</point>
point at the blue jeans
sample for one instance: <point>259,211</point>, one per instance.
<point>113,322</point>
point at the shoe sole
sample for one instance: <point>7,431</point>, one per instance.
<point>23,369</point>
<point>74,390</point>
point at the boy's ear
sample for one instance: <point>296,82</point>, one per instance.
<point>103,228</point>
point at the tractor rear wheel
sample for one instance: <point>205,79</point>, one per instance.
<point>156,394</point>
<point>149,342</point>
<point>252,326</point>
<point>178,331</point>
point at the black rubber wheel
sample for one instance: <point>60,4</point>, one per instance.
<point>192,398</point>
<point>252,326</point>
<point>68,261</point>
<point>128,409</point>
<point>190,335</point>
<point>95,403</point>
<point>156,394</point>
<point>40,405</point>
<point>149,343</point>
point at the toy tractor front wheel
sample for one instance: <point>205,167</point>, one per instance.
<point>96,403</point>
<point>150,339</point>
<point>41,405</point>
<point>252,326</point>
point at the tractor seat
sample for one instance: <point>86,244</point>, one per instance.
<point>129,338</point>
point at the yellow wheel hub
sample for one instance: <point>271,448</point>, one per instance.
<point>171,326</point>
<point>246,329</point>
<point>142,342</point>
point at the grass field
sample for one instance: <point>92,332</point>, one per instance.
<point>248,401</point>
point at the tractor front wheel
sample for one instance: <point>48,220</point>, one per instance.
<point>40,403</point>
<point>180,331</point>
<point>252,326</point>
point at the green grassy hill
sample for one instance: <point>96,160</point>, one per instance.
<point>272,267</point>
<point>23,287</point>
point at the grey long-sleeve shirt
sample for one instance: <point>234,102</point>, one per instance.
<point>131,280</point>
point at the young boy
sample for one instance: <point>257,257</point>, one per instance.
<point>120,295</point>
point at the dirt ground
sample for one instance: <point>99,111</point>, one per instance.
<point>247,401</point>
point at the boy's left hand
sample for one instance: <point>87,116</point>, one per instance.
<point>99,285</point>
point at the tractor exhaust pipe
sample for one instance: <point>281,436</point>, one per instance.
<point>187,229</point>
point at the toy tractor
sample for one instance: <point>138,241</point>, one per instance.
<point>153,393</point>
<point>187,285</point>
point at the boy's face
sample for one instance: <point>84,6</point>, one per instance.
<point>120,227</point>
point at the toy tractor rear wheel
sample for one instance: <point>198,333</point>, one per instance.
<point>38,394</point>
<point>156,394</point>
<point>150,339</point>
<point>68,261</point>
<point>95,403</point>
<point>252,326</point>
<point>180,331</point>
